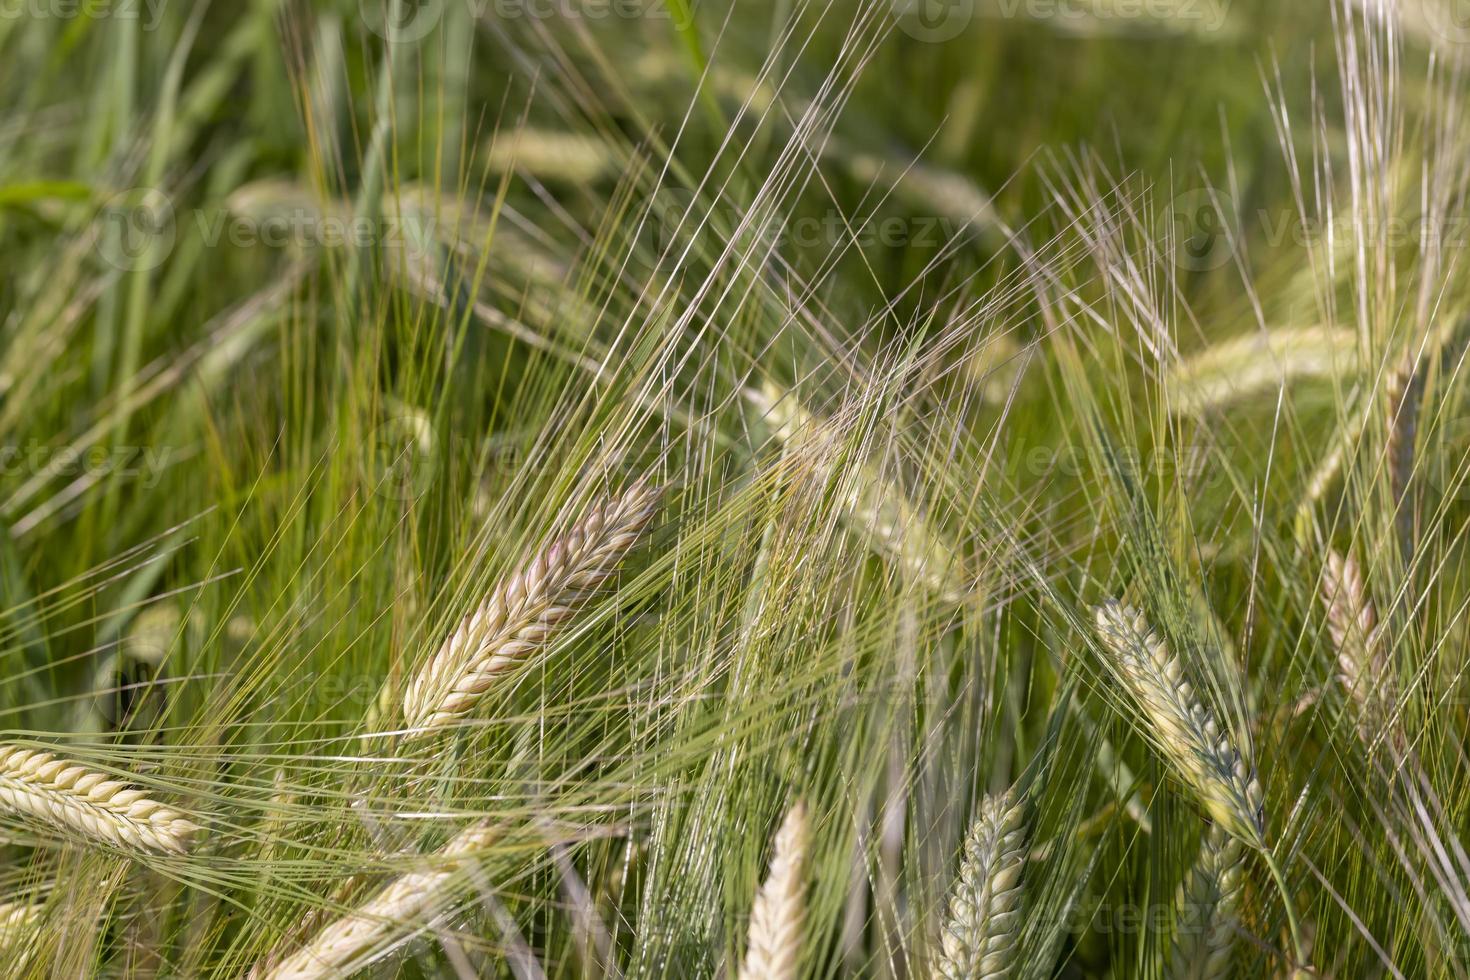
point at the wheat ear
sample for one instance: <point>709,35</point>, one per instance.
<point>16,919</point>
<point>523,614</point>
<point>779,909</point>
<point>398,909</point>
<point>19,935</point>
<point>1244,365</point>
<point>551,155</point>
<point>1183,729</point>
<point>1352,624</point>
<point>56,791</point>
<point>980,937</point>
<point>1205,935</point>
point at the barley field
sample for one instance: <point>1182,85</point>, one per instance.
<point>741,489</point>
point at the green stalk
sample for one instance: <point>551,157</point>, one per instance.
<point>1298,948</point>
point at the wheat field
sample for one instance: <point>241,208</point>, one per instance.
<point>757,489</point>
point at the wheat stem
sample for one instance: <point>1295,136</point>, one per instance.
<point>399,908</point>
<point>1299,947</point>
<point>1404,390</point>
<point>52,790</point>
<point>981,935</point>
<point>524,613</point>
<point>1183,729</point>
<point>779,910</point>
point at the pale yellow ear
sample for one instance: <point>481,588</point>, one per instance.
<point>68,799</point>
<point>404,906</point>
<point>522,616</point>
<point>778,914</point>
<point>1363,669</point>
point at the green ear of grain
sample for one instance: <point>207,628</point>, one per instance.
<point>981,936</point>
<point>1236,368</point>
<point>1204,934</point>
<point>1180,726</point>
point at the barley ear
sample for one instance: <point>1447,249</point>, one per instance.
<point>1204,935</point>
<point>20,924</point>
<point>63,795</point>
<point>982,933</point>
<point>1180,726</point>
<point>779,911</point>
<point>16,921</point>
<point>367,933</point>
<point>1352,625</point>
<point>524,613</point>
